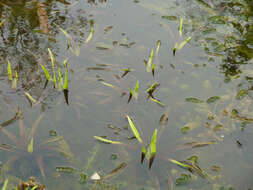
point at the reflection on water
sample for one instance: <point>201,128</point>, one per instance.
<point>116,59</point>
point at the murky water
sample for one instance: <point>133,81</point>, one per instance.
<point>205,92</point>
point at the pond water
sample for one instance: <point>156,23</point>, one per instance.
<point>201,104</point>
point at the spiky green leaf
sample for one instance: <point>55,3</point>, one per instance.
<point>90,35</point>
<point>30,146</point>
<point>181,164</point>
<point>53,66</point>
<point>182,44</point>
<point>9,71</point>
<point>65,86</point>
<point>5,185</point>
<point>101,139</point>
<point>153,143</point>
<point>47,75</point>
<point>136,90</point>
<point>180,27</point>
<point>134,130</point>
<point>150,60</point>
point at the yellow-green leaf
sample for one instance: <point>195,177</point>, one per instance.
<point>153,143</point>
<point>66,79</point>
<point>15,80</point>
<point>136,89</point>
<point>9,71</point>
<point>53,65</point>
<point>5,185</point>
<point>134,130</point>
<point>149,64</point>
<point>48,77</point>
<point>182,44</point>
<point>30,97</point>
<point>181,164</point>
<point>158,47</point>
<point>157,101</point>
<point>152,87</point>
<point>180,27</point>
<point>30,146</point>
<point>1,23</point>
<point>60,80</point>
<point>106,140</point>
<point>90,35</point>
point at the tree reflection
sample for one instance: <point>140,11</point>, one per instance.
<point>242,52</point>
<point>29,28</point>
<point>224,28</point>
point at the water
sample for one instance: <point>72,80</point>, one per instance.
<point>216,62</point>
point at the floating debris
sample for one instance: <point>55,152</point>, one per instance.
<point>95,177</point>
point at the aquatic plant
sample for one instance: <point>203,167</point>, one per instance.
<point>148,151</point>
<point>150,64</point>
<point>182,43</point>
<point>57,81</point>
<point>30,184</point>
<point>5,184</point>
<point>134,93</point>
<point>28,146</point>
<point>11,77</point>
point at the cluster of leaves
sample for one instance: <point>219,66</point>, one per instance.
<point>148,151</point>
<point>180,45</point>
<point>57,81</point>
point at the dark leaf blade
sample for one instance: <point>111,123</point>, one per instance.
<point>212,99</point>
<point>169,17</point>
<point>163,119</point>
<point>241,94</point>
<point>143,154</point>
<point>199,144</point>
<point>45,85</point>
<point>66,95</point>
<point>183,179</point>
<point>194,100</point>
<point>125,72</point>
<point>151,160</point>
<point>185,129</point>
<point>17,116</point>
<point>130,97</point>
<point>116,171</point>
<point>66,169</point>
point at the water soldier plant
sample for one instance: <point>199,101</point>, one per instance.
<point>57,82</point>
<point>147,150</point>
<point>13,77</point>
<point>180,45</point>
<point>150,65</point>
<point>75,49</point>
<point>134,93</point>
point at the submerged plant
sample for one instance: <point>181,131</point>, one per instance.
<point>134,93</point>
<point>148,151</point>
<point>27,145</point>
<point>150,65</point>
<point>13,77</point>
<point>57,81</point>
<point>179,45</point>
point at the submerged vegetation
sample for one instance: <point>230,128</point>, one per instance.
<point>27,146</point>
<point>200,79</point>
